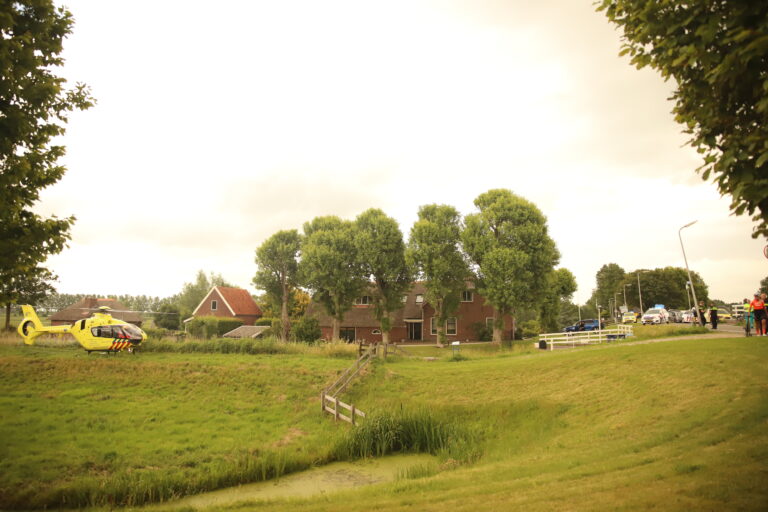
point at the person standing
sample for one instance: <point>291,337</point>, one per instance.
<point>748,317</point>
<point>702,310</point>
<point>713,315</point>
<point>758,310</point>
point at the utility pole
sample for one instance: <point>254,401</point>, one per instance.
<point>700,316</point>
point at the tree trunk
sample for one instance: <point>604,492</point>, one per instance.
<point>440,325</point>
<point>335,329</point>
<point>385,342</point>
<point>8,316</point>
<point>498,327</point>
<point>284,322</point>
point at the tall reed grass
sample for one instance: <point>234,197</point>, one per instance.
<point>409,431</point>
<point>269,345</point>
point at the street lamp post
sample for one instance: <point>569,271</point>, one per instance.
<point>625,296</point>
<point>615,307</point>
<point>690,280</point>
<point>639,293</point>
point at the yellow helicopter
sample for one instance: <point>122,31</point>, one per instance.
<point>98,333</point>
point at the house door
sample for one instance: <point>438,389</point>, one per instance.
<point>414,331</point>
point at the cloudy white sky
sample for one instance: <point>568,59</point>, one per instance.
<point>218,124</point>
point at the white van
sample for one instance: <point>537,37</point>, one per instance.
<point>655,316</point>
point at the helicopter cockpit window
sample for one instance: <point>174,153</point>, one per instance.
<point>132,331</point>
<point>102,331</point>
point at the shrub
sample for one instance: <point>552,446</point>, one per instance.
<point>265,320</point>
<point>207,327</point>
<point>307,329</point>
<point>530,329</point>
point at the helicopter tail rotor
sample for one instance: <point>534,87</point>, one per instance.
<point>30,327</point>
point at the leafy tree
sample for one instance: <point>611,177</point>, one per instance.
<point>507,240</point>
<point>560,289</point>
<point>381,250</point>
<point>717,53</point>
<point>764,285</point>
<point>610,279</point>
<point>169,317</point>
<point>34,107</point>
<point>193,293</point>
<point>277,271</point>
<point>330,266</point>
<point>27,288</point>
<point>665,286</point>
<point>434,250</point>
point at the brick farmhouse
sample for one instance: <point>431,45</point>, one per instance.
<point>414,321</point>
<point>223,301</point>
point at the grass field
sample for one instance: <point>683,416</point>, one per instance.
<point>676,425</point>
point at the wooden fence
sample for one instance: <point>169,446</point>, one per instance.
<point>330,394</point>
<point>574,339</point>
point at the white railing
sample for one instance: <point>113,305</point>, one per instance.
<point>576,339</point>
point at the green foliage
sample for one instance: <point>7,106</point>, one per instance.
<point>193,293</point>
<point>29,287</point>
<point>530,329</point>
<point>207,327</point>
<point>434,250</point>
<point>557,296</point>
<point>609,281</point>
<point>277,271</point>
<point>34,108</point>
<point>264,321</point>
<point>508,241</point>
<point>170,318</point>
<point>414,431</point>
<point>665,286</point>
<point>482,332</point>
<point>763,285</point>
<point>717,54</point>
<point>381,250</point>
<point>330,265</point>
<point>307,329</point>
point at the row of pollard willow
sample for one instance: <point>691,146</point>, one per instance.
<point>573,339</point>
<point>330,394</point>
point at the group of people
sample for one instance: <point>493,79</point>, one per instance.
<point>755,314</point>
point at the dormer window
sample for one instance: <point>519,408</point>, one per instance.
<point>466,296</point>
<point>214,305</point>
<point>365,300</point>
<point>419,299</point>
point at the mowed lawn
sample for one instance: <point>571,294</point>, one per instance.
<point>80,429</point>
<point>679,425</point>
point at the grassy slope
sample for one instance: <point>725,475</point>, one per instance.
<point>674,426</point>
<point>80,423</point>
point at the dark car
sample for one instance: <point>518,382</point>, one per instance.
<point>589,324</point>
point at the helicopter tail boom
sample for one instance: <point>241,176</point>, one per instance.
<point>31,327</point>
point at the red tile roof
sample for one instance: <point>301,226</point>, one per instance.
<point>239,300</point>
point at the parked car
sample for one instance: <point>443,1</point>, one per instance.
<point>675,315</point>
<point>584,325</point>
<point>656,316</point>
<point>687,317</point>
<point>629,318</point>
<point>723,314</point>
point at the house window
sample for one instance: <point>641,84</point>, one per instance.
<point>376,331</point>
<point>466,296</point>
<point>405,299</point>
<point>214,305</point>
<point>489,323</point>
<point>419,299</point>
<point>450,326</point>
<point>365,300</point>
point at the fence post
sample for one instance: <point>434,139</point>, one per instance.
<point>353,414</point>
<point>335,408</point>
<point>322,401</point>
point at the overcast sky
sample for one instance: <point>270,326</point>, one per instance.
<point>218,124</point>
